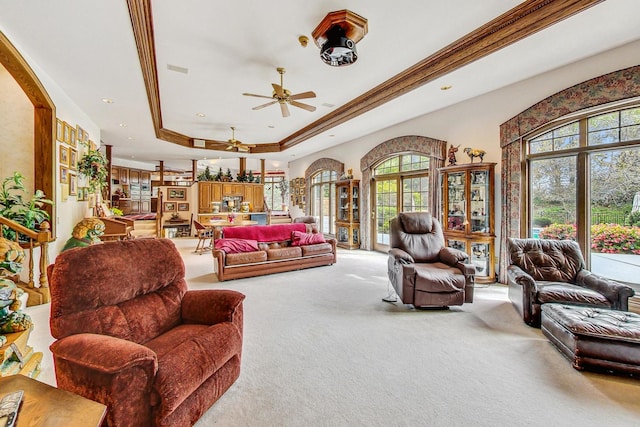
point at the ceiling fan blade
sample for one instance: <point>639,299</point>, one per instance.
<point>279,90</point>
<point>264,105</point>
<point>285,109</point>
<point>303,106</point>
<point>231,147</point>
<point>258,96</point>
<point>303,95</point>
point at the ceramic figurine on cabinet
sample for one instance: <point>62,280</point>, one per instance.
<point>452,155</point>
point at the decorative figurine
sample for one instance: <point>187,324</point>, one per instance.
<point>11,318</point>
<point>475,152</point>
<point>452,155</point>
<point>86,232</point>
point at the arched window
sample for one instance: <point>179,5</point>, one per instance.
<point>323,199</point>
<point>401,185</point>
<point>583,179</point>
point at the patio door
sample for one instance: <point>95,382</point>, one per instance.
<point>385,199</point>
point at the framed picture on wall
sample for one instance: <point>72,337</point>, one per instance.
<point>183,207</point>
<point>79,133</point>
<point>73,184</point>
<point>64,175</point>
<point>67,132</point>
<point>59,130</point>
<point>73,159</point>
<point>64,155</point>
<point>169,207</point>
<point>72,137</point>
<point>177,194</point>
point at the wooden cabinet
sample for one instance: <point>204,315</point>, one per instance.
<point>209,191</point>
<point>115,174</point>
<point>468,203</point>
<point>124,176</point>
<point>145,177</point>
<point>348,213</point>
<point>257,202</point>
<point>134,176</point>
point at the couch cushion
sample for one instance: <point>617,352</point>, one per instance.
<point>568,293</point>
<point>245,258</point>
<point>438,277</point>
<point>233,246</point>
<point>284,253</point>
<point>263,233</point>
<point>187,356</point>
<point>298,238</point>
<point>320,248</point>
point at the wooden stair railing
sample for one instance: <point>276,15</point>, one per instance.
<point>37,294</point>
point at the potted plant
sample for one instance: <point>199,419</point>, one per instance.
<point>93,166</point>
<point>16,207</point>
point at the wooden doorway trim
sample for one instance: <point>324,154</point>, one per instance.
<point>44,121</point>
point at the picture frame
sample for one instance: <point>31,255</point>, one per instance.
<point>73,184</point>
<point>64,175</point>
<point>73,159</point>
<point>183,207</point>
<point>67,132</point>
<point>79,133</point>
<point>85,193</point>
<point>59,130</point>
<point>92,145</point>
<point>72,137</point>
<point>80,195</point>
<point>169,207</point>
<point>64,155</point>
<point>177,194</point>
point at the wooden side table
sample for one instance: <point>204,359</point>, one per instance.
<point>46,406</point>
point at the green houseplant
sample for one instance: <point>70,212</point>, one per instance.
<point>16,206</point>
<point>93,166</point>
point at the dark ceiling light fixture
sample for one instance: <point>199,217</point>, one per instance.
<point>337,35</point>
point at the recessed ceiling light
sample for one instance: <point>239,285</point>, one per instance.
<point>130,138</point>
<point>200,114</point>
<point>107,100</point>
<point>331,135</point>
<point>326,104</point>
<point>177,68</point>
<point>271,127</point>
<point>445,87</point>
<point>123,125</point>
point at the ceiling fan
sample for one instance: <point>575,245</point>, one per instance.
<point>283,97</point>
<point>234,144</point>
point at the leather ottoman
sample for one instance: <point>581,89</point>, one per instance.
<point>596,339</point>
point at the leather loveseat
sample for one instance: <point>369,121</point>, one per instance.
<point>247,251</point>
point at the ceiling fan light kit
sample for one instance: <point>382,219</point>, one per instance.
<point>337,35</point>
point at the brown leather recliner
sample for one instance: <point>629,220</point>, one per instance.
<point>130,335</point>
<point>544,271</point>
<point>423,271</point>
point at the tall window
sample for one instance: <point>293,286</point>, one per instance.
<point>401,185</point>
<point>323,199</point>
<point>275,192</point>
<point>584,185</point>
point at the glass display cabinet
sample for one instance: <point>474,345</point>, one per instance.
<point>348,213</point>
<point>468,203</point>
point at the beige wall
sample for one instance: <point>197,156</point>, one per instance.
<point>16,130</point>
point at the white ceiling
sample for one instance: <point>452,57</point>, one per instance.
<point>232,47</point>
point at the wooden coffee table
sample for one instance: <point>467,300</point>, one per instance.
<point>43,405</point>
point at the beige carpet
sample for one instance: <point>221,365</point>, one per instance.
<point>322,349</point>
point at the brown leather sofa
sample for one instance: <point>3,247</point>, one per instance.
<point>423,271</point>
<point>274,251</point>
<point>553,271</point>
<point>130,335</point>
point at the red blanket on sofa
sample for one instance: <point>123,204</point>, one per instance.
<point>263,233</point>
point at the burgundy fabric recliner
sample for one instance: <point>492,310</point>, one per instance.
<point>130,335</point>
<point>423,271</point>
<point>553,271</point>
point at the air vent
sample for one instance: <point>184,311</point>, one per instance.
<point>199,143</point>
<point>177,69</point>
